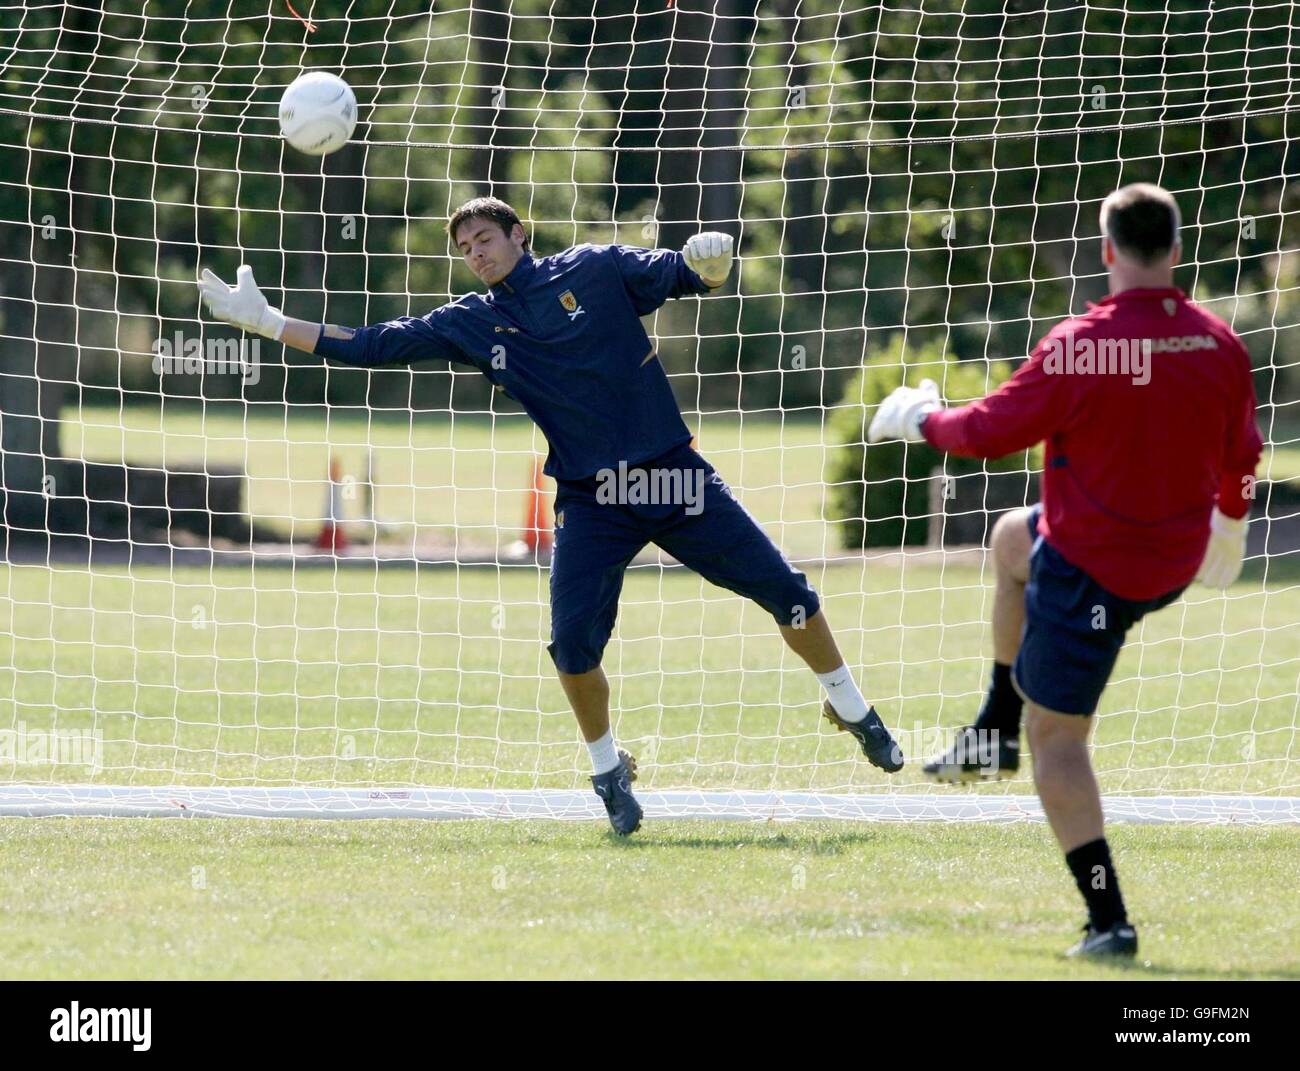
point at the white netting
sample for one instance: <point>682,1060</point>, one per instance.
<point>905,181</point>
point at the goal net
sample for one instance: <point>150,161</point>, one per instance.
<point>236,580</point>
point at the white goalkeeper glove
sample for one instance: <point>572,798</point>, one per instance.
<point>1222,562</point>
<point>900,415</point>
<point>243,305</point>
<point>708,255</point>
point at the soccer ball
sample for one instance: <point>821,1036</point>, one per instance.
<point>318,113</point>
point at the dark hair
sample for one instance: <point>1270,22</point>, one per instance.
<point>1142,220</point>
<point>491,208</point>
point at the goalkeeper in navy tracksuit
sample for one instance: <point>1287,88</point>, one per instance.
<point>1148,412</point>
<point>563,335</point>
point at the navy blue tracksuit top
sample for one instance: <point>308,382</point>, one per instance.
<point>563,336</point>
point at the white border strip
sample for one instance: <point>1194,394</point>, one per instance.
<point>182,802</point>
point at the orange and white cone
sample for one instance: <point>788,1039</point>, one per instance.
<point>332,536</point>
<point>537,517</point>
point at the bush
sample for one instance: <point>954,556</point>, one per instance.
<point>879,495</point>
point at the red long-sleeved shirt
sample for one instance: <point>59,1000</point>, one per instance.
<point>1136,456</point>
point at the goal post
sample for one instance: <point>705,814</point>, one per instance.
<point>905,185</point>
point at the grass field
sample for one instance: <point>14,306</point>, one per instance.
<point>464,476</point>
<point>440,677</point>
<point>436,676</point>
<point>162,898</point>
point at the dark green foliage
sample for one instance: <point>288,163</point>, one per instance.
<point>993,221</point>
<point>879,493</point>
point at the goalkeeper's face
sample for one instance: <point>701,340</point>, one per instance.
<point>489,251</point>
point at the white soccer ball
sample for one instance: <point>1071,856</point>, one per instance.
<point>318,113</point>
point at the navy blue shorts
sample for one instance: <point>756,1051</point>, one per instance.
<point>1074,629</point>
<point>691,514</point>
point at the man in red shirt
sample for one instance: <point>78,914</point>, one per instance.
<point>1147,409</point>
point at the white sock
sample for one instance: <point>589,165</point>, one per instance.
<point>604,755</point>
<point>844,694</point>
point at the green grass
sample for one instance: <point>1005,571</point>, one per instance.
<point>462,476</point>
<point>408,676</point>
<point>440,677</point>
<point>117,898</point>
<point>1281,462</point>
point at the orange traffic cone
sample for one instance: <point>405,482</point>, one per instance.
<point>332,536</point>
<point>537,517</point>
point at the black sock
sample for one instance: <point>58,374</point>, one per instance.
<point>1002,705</point>
<point>1094,873</point>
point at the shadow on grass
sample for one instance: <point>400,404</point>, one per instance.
<point>1141,969</point>
<point>832,842</point>
<point>1035,960</point>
